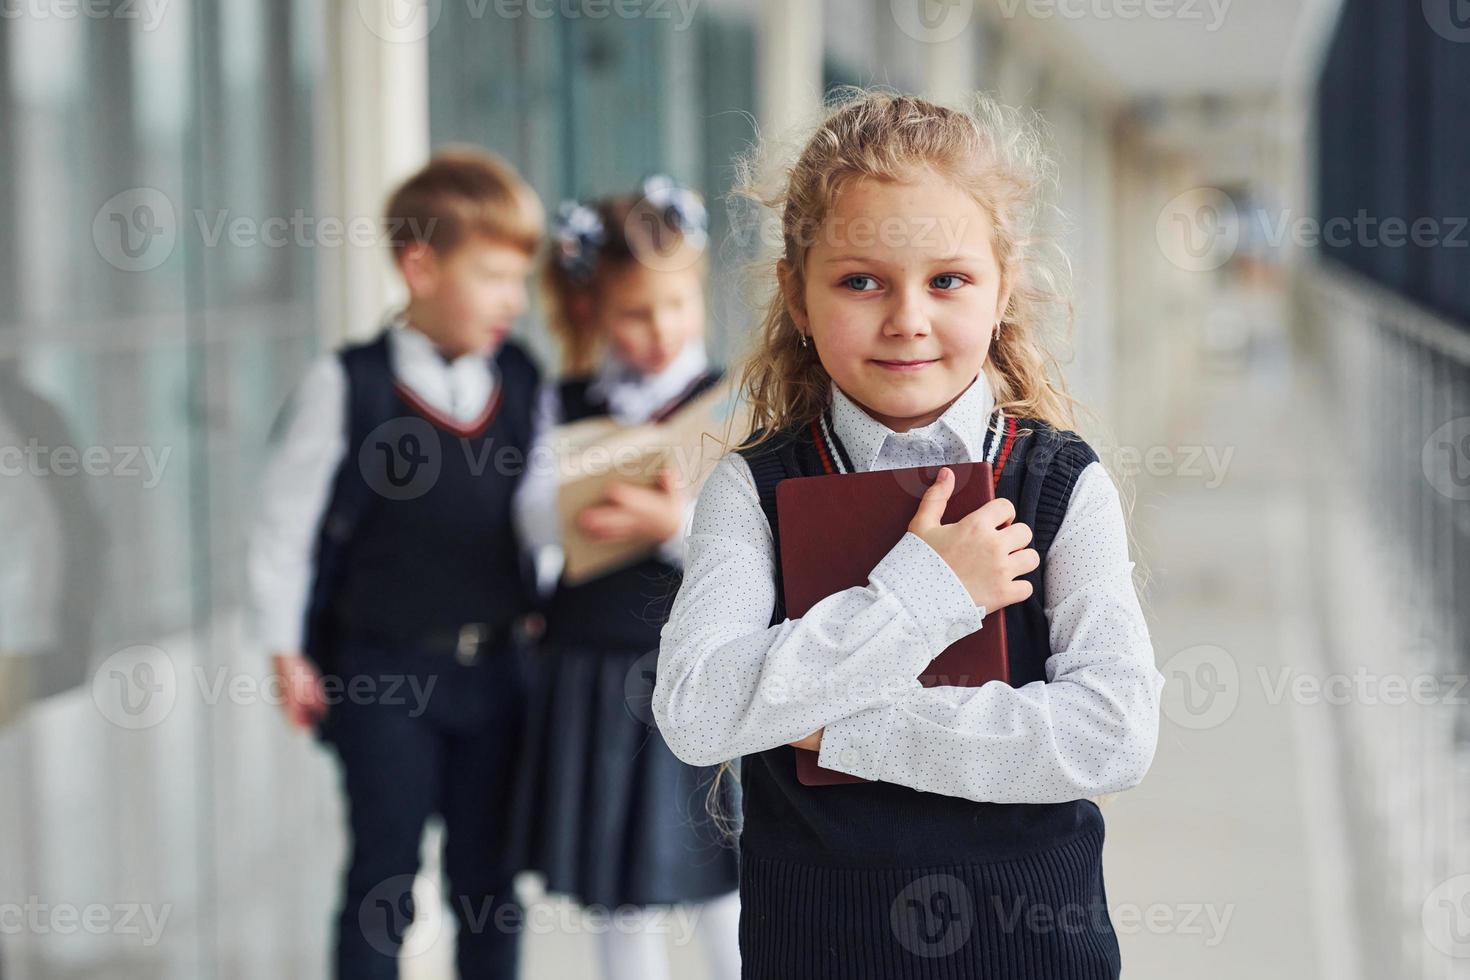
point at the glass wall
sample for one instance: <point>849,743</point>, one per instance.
<point>157,302</point>
<point>589,105</point>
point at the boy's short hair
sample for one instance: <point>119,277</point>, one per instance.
<point>464,191</point>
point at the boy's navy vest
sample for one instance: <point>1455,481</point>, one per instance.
<point>417,541</point>
<point>625,609</point>
<point>882,825</point>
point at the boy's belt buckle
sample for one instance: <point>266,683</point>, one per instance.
<point>471,636</point>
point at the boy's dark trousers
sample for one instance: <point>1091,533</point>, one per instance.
<point>420,733</point>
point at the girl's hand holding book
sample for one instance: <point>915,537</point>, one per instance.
<point>987,552</point>
<point>629,510</point>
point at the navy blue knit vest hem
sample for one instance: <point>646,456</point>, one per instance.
<point>1044,918</point>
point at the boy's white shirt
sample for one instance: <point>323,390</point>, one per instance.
<point>297,483</point>
<point>729,684</point>
<point>632,398</point>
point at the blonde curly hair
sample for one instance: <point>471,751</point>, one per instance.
<point>995,153</point>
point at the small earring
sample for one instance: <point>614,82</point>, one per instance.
<point>804,342</point>
<point>995,334</point>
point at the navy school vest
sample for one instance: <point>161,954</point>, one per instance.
<point>625,609</point>
<point>417,538</point>
<point>882,824</point>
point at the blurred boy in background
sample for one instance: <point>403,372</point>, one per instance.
<point>387,578</point>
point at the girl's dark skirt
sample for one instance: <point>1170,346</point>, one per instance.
<point>603,809</point>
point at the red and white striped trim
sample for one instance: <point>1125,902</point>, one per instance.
<point>994,434</point>
<point>1003,449</point>
<point>465,430</point>
<point>827,446</point>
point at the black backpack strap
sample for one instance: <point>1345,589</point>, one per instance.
<point>1042,472</point>
<point>369,401</point>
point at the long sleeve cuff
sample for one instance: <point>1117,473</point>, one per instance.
<point>929,591</point>
<point>280,631</point>
<point>673,550</point>
<point>857,745</point>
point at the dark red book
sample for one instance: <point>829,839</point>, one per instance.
<point>836,528</point>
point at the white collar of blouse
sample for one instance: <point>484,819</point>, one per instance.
<point>863,436</point>
<point>632,395</point>
<point>410,346</point>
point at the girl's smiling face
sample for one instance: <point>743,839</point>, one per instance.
<point>902,292</point>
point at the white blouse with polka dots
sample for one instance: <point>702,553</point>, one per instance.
<point>730,684</point>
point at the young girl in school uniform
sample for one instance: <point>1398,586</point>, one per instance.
<point>906,332</point>
<point>606,812</point>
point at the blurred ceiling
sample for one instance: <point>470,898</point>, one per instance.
<point>1188,47</point>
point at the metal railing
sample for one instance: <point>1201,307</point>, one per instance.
<point>1398,383</point>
